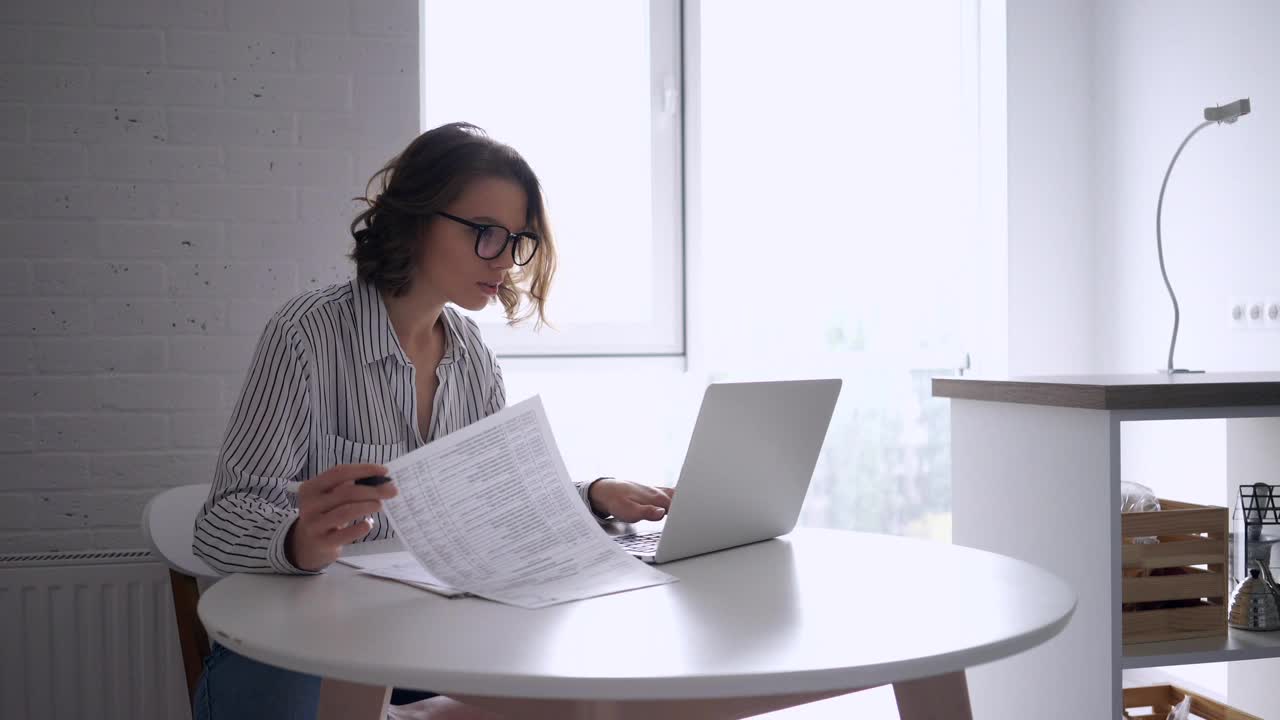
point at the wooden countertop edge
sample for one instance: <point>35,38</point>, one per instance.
<point>1110,397</point>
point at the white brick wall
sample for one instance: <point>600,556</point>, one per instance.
<point>170,170</point>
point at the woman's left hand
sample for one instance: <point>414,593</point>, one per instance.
<point>628,501</point>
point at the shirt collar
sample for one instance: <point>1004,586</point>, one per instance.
<point>378,338</point>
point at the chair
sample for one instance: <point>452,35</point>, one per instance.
<point>167,522</point>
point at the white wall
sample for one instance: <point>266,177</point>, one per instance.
<point>1051,250</point>
<point>1158,66</point>
<point>1099,95</point>
<point>168,173</point>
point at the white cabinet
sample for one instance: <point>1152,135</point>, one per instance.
<point>1036,475</point>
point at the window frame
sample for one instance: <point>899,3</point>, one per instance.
<point>666,335</point>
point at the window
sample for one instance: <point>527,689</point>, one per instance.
<point>830,172</point>
<point>839,198</point>
<point>589,93</point>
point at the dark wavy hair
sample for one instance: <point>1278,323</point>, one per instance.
<point>425,178</point>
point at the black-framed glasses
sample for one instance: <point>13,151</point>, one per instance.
<point>491,240</point>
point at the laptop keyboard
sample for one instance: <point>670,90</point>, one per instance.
<point>643,543</point>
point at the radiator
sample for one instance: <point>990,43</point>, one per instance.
<point>89,635</point>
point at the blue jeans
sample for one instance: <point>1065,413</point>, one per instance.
<point>233,687</point>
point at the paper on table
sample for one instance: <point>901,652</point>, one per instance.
<point>489,509</point>
<point>403,567</point>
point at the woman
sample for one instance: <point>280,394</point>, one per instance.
<point>351,376</point>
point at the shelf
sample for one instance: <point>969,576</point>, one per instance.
<point>1238,645</point>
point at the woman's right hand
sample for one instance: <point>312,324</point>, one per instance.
<point>333,511</point>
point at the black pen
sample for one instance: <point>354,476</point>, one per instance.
<point>371,481</point>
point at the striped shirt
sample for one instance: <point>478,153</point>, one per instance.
<point>330,384</point>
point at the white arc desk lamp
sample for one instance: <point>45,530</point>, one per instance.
<point>1228,113</point>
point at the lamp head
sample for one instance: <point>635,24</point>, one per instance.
<point>1228,113</point>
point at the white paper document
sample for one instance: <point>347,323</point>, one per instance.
<point>403,567</point>
<point>490,510</point>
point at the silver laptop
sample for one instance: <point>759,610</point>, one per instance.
<point>747,469</point>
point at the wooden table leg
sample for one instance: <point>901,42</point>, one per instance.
<point>342,700</point>
<point>192,639</point>
<point>944,697</point>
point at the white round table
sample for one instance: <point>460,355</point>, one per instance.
<point>812,614</point>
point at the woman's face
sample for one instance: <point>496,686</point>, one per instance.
<point>450,266</point>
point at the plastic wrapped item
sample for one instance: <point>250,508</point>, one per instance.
<point>1181,711</point>
<point>1135,497</point>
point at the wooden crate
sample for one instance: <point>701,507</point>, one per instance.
<point>1162,698</point>
<point>1189,535</point>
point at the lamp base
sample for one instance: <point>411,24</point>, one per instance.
<point>1179,371</point>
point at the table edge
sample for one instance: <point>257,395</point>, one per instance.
<point>665,688</point>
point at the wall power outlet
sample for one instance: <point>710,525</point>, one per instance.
<point>1254,312</point>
